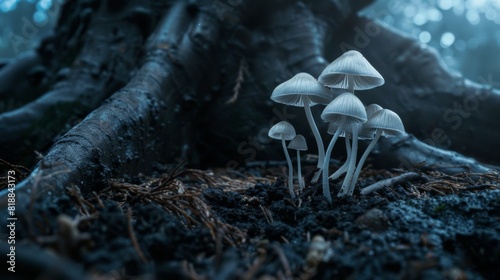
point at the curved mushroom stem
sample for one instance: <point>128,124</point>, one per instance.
<point>352,161</point>
<point>299,172</point>
<point>326,185</point>
<point>343,168</point>
<point>290,167</point>
<point>315,131</point>
<point>362,161</point>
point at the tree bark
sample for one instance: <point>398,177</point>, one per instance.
<point>103,65</point>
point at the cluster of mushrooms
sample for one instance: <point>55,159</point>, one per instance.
<point>345,113</point>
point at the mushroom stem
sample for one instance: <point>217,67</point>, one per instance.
<point>290,167</point>
<point>352,161</point>
<point>315,131</point>
<point>343,168</point>
<point>362,161</point>
<point>326,185</point>
<point>299,172</point>
<point>350,83</point>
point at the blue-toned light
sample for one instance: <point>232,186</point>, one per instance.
<point>420,19</point>
<point>473,17</point>
<point>425,37</point>
<point>447,39</point>
<point>8,5</point>
<point>491,15</point>
<point>44,4</point>
<point>40,18</point>
<point>434,14</point>
<point>445,4</point>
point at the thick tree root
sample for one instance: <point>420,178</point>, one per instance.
<point>103,65</point>
<point>134,127</point>
<point>408,152</point>
<point>15,71</point>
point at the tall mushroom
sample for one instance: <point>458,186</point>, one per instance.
<point>299,143</point>
<point>285,131</point>
<point>349,113</point>
<point>382,123</point>
<point>351,71</point>
<point>303,90</point>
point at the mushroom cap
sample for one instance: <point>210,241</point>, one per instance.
<point>355,65</point>
<point>298,143</point>
<point>332,127</point>
<point>372,108</point>
<point>348,105</point>
<point>282,128</point>
<point>388,121</point>
<point>366,133</point>
<point>292,92</point>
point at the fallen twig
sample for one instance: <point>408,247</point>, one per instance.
<point>391,181</point>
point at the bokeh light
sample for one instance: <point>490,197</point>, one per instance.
<point>425,37</point>
<point>465,32</point>
<point>37,16</point>
<point>447,39</point>
<point>7,5</point>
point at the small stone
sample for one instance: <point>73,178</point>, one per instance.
<point>374,219</point>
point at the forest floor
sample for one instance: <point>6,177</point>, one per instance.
<point>210,224</point>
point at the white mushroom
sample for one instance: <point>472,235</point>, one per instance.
<point>285,131</point>
<point>351,71</point>
<point>349,113</point>
<point>383,123</point>
<point>364,134</point>
<point>372,109</point>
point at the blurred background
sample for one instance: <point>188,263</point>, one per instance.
<point>24,22</point>
<point>465,32</point>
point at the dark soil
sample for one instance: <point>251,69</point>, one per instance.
<point>200,225</point>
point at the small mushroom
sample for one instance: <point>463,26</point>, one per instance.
<point>299,143</point>
<point>372,109</point>
<point>383,123</point>
<point>285,131</point>
<point>364,134</point>
<point>349,113</point>
<point>351,71</point>
<point>303,90</point>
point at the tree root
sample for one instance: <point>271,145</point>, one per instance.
<point>103,65</point>
<point>134,126</point>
